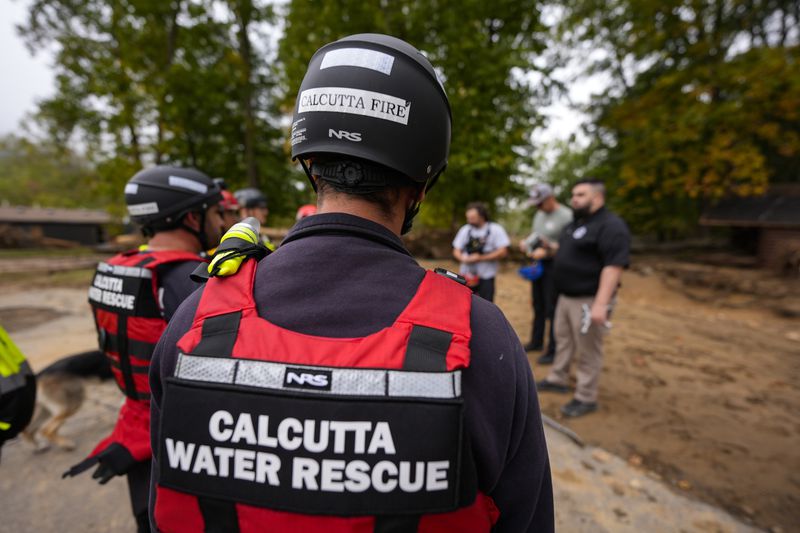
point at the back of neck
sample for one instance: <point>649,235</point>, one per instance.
<point>175,239</point>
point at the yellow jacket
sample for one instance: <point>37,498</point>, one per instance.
<point>13,368</point>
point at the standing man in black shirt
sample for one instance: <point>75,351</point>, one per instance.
<point>592,253</point>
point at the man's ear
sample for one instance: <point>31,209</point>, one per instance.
<point>419,194</point>
<point>192,220</point>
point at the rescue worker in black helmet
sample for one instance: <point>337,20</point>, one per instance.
<point>133,296</point>
<point>253,203</point>
<point>336,384</point>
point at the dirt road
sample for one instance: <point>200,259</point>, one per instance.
<point>595,492</point>
<point>707,398</point>
<point>695,398</point>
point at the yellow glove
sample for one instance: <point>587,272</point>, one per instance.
<point>241,238</point>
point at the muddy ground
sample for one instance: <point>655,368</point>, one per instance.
<point>701,384</point>
<point>700,394</point>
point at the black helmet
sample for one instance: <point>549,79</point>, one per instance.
<point>250,197</point>
<point>374,98</point>
<point>159,197</point>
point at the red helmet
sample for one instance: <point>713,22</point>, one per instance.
<point>229,202</point>
<point>306,211</point>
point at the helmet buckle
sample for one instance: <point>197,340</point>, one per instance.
<point>351,173</point>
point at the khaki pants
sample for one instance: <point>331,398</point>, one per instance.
<point>585,348</point>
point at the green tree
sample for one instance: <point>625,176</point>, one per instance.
<point>44,175</point>
<point>704,102</point>
<point>483,53</point>
<point>570,162</point>
<point>142,82</point>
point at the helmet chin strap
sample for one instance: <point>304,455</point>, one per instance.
<point>413,210</point>
<point>308,173</point>
<point>199,234</point>
<point>408,220</point>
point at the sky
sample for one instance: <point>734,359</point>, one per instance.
<point>29,78</point>
<point>26,78</point>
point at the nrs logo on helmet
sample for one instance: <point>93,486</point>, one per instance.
<point>341,134</point>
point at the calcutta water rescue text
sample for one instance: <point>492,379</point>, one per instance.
<point>313,436</point>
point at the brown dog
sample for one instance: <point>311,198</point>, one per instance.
<point>59,395</point>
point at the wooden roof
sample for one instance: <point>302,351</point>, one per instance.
<point>778,208</point>
<point>54,215</point>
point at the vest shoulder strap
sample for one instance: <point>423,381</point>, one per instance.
<point>440,303</point>
<point>437,318</point>
<point>152,260</point>
<point>237,288</point>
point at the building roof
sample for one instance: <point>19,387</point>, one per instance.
<point>55,215</point>
<point>778,208</point>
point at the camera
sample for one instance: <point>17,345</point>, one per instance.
<point>533,242</point>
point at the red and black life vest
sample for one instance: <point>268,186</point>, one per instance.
<point>266,429</point>
<point>125,304</point>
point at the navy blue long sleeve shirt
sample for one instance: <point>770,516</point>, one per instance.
<point>338,275</point>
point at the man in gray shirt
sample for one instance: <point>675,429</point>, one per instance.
<point>479,245</point>
<point>549,222</point>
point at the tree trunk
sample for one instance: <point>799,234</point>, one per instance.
<point>243,10</point>
<point>136,150</point>
<point>128,105</point>
<point>172,37</point>
<point>192,149</point>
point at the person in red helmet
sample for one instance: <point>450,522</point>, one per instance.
<point>230,208</point>
<point>336,385</point>
<point>230,205</point>
<point>305,211</point>
<point>133,296</point>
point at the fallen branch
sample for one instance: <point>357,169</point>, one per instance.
<point>563,430</point>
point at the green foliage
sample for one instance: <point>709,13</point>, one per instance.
<point>572,162</point>
<point>38,174</point>
<point>482,52</point>
<point>681,145</point>
<point>141,82</point>
<point>704,102</point>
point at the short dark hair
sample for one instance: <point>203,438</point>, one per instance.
<point>386,198</point>
<point>597,184</point>
<point>481,208</point>
<point>385,195</point>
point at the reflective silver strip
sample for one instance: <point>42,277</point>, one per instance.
<point>422,384</point>
<point>186,183</point>
<point>128,271</point>
<point>344,381</point>
<point>15,381</point>
<point>206,369</point>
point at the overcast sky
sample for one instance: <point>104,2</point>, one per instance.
<point>26,78</point>
<point>29,78</point>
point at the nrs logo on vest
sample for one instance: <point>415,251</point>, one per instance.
<point>303,378</point>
